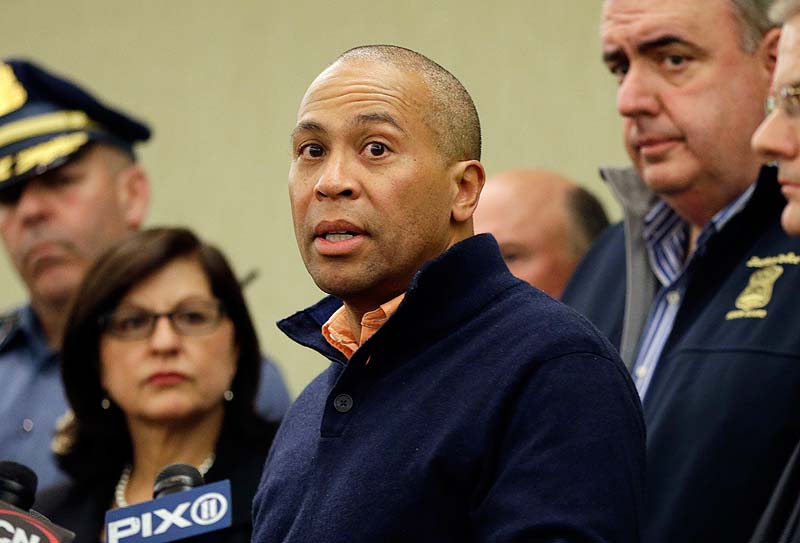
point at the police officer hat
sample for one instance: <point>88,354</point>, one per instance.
<point>46,120</point>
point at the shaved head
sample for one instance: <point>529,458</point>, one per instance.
<point>543,222</point>
<point>451,113</point>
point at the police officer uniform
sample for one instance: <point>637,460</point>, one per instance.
<point>32,397</point>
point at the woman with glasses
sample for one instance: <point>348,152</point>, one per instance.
<point>160,363</point>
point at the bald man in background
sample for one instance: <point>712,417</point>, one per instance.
<point>543,222</point>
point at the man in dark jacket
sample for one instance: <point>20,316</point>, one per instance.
<point>461,404</point>
<point>778,140</point>
<point>697,286</point>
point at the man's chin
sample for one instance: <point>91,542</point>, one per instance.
<point>342,287</point>
<point>56,286</point>
<point>357,290</point>
<point>665,179</point>
<point>790,218</point>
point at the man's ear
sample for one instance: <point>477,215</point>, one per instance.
<point>470,177</point>
<point>134,194</point>
<point>768,49</point>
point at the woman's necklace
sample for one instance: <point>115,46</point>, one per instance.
<point>125,477</point>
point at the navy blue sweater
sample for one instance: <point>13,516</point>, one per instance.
<point>488,412</point>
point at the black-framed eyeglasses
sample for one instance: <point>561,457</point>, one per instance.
<point>189,318</point>
<point>787,98</point>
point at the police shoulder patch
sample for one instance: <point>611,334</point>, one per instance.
<point>753,301</point>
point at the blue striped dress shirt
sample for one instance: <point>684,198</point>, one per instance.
<point>666,236</point>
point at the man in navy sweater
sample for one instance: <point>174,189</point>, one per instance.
<point>461,404</point>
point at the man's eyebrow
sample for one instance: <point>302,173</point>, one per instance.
<point>377,118</point>
<point>658,43</point>
<point>307,126</point>
<point>617,55</point>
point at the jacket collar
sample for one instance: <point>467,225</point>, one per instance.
<point>634,195</point>
<point>445,291</point>
<point>22,325</point>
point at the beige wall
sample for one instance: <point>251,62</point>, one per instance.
<point>220,83</point>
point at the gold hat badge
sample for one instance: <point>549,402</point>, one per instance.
<point>12,94</point>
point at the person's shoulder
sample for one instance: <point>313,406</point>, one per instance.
<point>55,500</point>
<point>78,507</point>
<point>548,346</point>
<point>597,286</point>
<point>50,497</point>
<point>547,326</point>
<point>272,397</point>
<point>553,342</point>
<point>10,321</point>
<point>608,245</point>
<point>606,256</point>
<point>244,443</point>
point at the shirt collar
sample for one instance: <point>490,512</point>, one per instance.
<point>338,333</point>
<point>666,235</point>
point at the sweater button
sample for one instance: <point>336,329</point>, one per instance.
<point>343,403</point>
<point>26,427</point>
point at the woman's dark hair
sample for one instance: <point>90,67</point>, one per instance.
<point>96,442</point>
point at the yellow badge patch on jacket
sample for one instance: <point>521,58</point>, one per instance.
<point>753,300</point>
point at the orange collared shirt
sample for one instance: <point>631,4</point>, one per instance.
<point>337,330</point>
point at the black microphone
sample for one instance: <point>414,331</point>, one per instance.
<point>176,478</point>
<point>17,520</point>
<point>17,484</point>
<point>182,507</point>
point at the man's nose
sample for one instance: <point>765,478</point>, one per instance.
<point>776,138</point>
<point>637,93</point>
<point>33,204</point>
<point>337,178</point>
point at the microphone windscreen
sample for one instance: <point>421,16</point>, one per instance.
<point>176,478</point>
<point>17,484</point>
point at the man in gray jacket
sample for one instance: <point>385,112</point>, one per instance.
<point>696,285</point>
